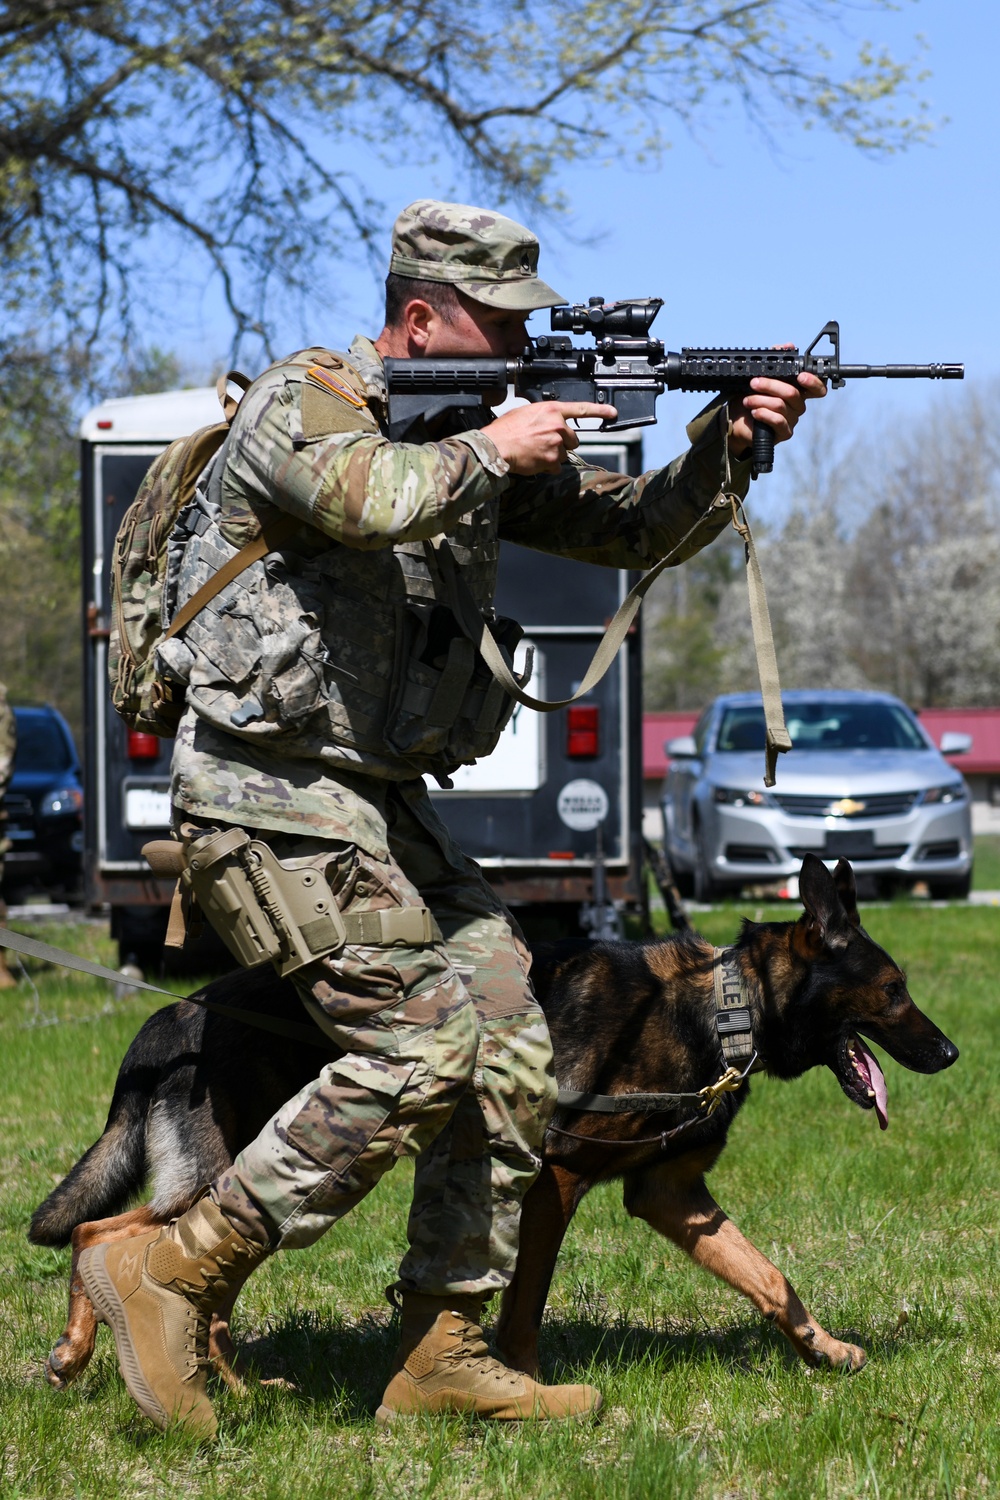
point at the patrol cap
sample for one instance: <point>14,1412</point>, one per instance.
<point>489,257</point>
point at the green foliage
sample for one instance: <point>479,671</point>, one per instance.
<point>40,633</point>
<point>684,653</point>
<point>885,574</point>
<point>233,126</point>
<point>889,1238</point>
<point>40,598</point>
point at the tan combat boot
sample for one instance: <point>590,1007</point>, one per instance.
<point>157,1292</point>
<point>443,1366</point>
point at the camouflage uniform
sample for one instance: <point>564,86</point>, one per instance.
<point>322,684</point>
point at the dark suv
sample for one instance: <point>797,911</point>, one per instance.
<point>44,805</point>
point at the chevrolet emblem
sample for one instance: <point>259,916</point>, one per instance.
<point>846,807</point>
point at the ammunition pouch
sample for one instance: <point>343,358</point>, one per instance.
<point>264,909</point>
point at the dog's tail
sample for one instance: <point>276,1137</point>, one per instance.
<point>114,1169</point>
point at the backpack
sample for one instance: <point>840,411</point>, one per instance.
<point>145,700</point>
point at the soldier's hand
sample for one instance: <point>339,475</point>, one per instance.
<point>773,402</point>
<point>535,439</point>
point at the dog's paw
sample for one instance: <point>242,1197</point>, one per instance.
<point>830,1354</point>
<point>847,1357</point>
<point>63,1365</point>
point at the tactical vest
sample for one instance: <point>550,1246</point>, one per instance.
<point>333,653</point>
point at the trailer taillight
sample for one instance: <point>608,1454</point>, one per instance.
<point>143,746</point>
<point>583,723</point>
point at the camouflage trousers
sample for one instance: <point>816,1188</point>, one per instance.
<point>446,1058</point>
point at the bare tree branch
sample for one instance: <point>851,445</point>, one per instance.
<point>227,125</point>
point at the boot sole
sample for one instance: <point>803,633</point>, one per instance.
<point>385,1416</point>
<point>104,1295</point>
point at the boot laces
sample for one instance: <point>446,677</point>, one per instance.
<point>472,1350</point>
<point>216,1280</point>
<point>196,1343</point>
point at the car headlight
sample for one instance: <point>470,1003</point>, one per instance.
<point>953,792</point>
<point>67,799</point>
<point>736,797</point>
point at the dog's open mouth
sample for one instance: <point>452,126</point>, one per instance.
<point>862,1080</point>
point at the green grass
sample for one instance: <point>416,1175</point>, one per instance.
<point>889,1238</point>
<point>986,873</point>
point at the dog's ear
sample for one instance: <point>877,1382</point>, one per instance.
<point>847,890</point>
<point>825,923</point>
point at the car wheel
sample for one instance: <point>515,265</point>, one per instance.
<point>683,879</point>
<point>953,889</point>
<point>705,888</point>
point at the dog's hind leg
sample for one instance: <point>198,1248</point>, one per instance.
<point>548,1207</point>
<point>232,1368</point>
<point>673,1199</point>
<point>221,1349</point>
<point>71,1352</point>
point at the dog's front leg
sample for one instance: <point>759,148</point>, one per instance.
<point>548,1207</point>
<point>674,1199</point>
<point>72,1350</point>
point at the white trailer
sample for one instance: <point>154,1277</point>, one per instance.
<point>559,788</point>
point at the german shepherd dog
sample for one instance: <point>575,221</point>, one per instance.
<point>624,1017</point>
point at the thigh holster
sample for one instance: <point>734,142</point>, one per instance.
<point>264,909</point>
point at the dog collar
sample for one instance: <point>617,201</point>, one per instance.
<point>735,1030</point>
<point>732,1010</point>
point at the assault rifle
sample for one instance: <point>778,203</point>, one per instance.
<point>624,368</point>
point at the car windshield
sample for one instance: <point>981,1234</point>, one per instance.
<point>40,745</point>
<point>821,725</point>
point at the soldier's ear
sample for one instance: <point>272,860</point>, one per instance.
<point>416,320</point>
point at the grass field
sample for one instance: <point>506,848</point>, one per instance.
<point>986,872</point>
<point>889,1238</point>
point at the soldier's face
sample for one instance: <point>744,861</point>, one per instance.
<point>476,329</point>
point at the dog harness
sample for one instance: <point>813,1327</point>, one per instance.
<point>732,1013</point>
<point>734,1026</point>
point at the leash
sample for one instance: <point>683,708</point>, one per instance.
<point>442,561</point>
<point>730,1080</point>
<point>734,1027</point>
<point>19,943</point>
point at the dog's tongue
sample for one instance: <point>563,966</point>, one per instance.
<point>872,1074</point>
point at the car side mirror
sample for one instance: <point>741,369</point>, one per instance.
<point>953,742</point>
<point>682,748</point>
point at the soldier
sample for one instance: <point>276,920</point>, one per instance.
<point>321,685</point>
<point>8,747</point>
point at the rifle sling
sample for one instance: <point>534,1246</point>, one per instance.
<point>471,620</point>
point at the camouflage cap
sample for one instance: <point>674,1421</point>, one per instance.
<point>492,259</point>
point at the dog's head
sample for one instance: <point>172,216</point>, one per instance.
<point>852,989</point>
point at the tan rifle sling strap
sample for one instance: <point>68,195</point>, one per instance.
<point>471,620</point>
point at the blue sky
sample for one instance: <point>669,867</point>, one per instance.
<point>747,247</point>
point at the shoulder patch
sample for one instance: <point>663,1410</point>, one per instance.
<point>328,406</point>
<point>331,383</point>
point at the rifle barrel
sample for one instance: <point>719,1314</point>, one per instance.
<point>902,372</point>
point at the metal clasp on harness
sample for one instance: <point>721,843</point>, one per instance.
<point>727,1084</point>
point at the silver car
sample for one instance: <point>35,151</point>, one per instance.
<point>863,781</point>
